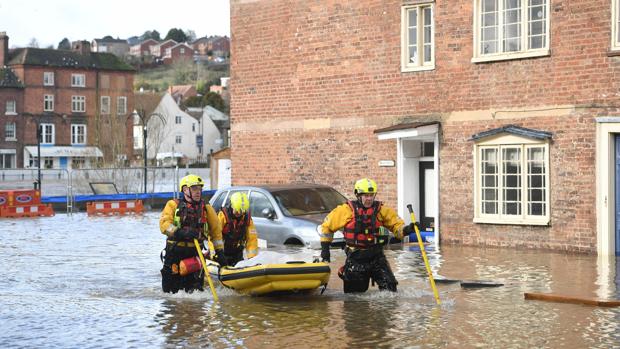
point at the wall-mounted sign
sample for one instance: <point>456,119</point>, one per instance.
<point>386,163</point>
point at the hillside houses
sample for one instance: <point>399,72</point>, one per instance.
<point>174,136</point>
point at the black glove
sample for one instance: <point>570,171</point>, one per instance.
<point>186,234</point>
<point>325,257</point>
<point>410,228</point>
<point>220,258</point>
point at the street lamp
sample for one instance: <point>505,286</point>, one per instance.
<point>144,119</point>
<point>39,135</point>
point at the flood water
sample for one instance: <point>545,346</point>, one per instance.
<point>81,282</point>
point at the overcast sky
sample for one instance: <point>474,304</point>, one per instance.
<point>49,21</point>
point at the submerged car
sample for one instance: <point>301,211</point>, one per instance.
<point>287,214</point>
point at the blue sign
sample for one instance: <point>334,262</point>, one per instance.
<point>199,141</point>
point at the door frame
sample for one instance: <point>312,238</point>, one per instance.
<point>606,129</point>
<point>428,133</point>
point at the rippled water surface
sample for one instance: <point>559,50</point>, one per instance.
<point>80,282</point>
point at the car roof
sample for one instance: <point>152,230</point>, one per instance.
<point>278,187</point>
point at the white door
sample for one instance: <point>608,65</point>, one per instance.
<point>223,173</point>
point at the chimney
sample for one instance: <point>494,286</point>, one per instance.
<point>4,49</point>
<point>81,47</point>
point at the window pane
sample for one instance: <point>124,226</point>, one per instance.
<point>512,208</point>
<point>413,36</point>
<point>413,17</point>
<point>489,19</point>
<point>427,53</point>
<point>536,183</point>
<point>489,5</point>
<point>427,16</point>
<point>413,54</point>
<point>427,34</point>
<point>490,208</point>
<point>537,13</point>
<point>511,181</point>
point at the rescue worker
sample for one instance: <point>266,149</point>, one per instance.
<point>182,221</point>
<point>365,222</point>
<point>238,229</point>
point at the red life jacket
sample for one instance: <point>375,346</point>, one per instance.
<point>190,215</point>
<point>234,231</point>
<point>361,231</point>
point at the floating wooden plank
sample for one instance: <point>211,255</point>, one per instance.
<point>550,297</point>
<point>443,280</point>
<point>479,283</point>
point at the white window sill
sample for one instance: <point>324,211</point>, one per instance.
<point>543,221</point>
<point>48,110</point>
<point>417,68</point>
<point>11,139</point>
<point>508,56</point>
<point>10,113</point>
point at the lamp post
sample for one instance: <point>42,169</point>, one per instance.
<point>38,184</point>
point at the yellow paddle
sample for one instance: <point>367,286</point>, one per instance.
<point>204,266</point>
<point>428,267</point>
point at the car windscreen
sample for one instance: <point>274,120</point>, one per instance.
<point>305,201</point>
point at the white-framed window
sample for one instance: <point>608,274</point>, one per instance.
<point>182,50</point>
<point>615,24</point>
<point>507,29</point>
<point>48,102</point>
<point>11,107</point>
<point>7,158</point>
<point>193,127</point>
<point>48,78</point>
<point>47,133</point>
<point>78,104</point>
<point>48,162</point>
<point>78,80</point>
<point>78,162</point>
<point>177,119</point>
<point>10,131</point>
<point>121,105</point>
<point>417,37</point>
<point>512,181</point>
<point>178,139</point>
<point>78,134</point>
<point>105,105</point>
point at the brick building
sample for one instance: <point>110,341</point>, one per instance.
<point>177,53</point>
<point>11,105</point>
<point>496,120</point>
<point>80,99</point>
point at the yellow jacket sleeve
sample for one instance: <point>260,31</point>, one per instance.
<point>389,218</point>
<point>251,244</point>
<point>215,228</point>
<point>166,219</point>
<point>335,221</point>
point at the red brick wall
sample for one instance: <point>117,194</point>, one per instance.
<point>17,95</point>
<point>340,60</point>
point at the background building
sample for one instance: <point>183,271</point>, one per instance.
<point>79,99</point>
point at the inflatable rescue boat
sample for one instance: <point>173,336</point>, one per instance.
<point>262,279</point>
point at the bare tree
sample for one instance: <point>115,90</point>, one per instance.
<point>33,43</point>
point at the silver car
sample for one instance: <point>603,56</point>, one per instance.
<point>287,214</point>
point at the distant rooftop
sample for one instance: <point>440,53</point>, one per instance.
<point>65,58</point>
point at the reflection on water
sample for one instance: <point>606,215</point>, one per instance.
<point>75,281</point>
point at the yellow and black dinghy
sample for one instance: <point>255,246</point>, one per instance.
<point>263,279</point>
